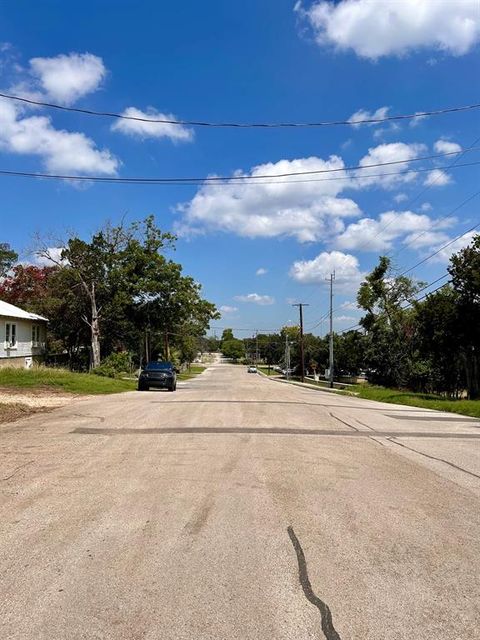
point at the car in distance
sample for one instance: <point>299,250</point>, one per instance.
<point>252,369</point>
<point>161,375</point>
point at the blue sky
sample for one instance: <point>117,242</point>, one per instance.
<point>261,61</point>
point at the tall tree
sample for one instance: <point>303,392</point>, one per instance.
<point>129,289</point>
<point>465,271</point>
<point>389,324</point>
<point>440,342</point>
<point>8,257</point>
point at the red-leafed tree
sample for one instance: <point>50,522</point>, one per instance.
<point>27,286</point>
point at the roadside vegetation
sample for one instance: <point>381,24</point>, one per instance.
<point>421,400</point>
<point>114,300</point>
<point>192,372</point>
<point>415,345</point>
<point>43,378</point>
<point>269,372</point>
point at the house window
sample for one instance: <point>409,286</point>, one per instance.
<point>35,335</point>
<point>10,335</point>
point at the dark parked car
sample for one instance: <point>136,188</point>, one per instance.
<point>162,375</point>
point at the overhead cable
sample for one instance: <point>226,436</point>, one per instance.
<point>242,125</point>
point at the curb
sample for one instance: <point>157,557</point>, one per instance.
<point>304,385</point>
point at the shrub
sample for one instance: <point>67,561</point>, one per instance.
<point>113,365</point>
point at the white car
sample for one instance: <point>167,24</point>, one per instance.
<point>252,369</point>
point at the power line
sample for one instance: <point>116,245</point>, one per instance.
<point>445,275</point>
<point>440,248</point>
<point>429,186</point>
<point>410,304</point>
<point>447,215</point>
<point>225,182</point>
<point>242,125</point>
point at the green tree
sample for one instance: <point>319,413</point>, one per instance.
<point>389,324</point>
<point>440,342</point>
<point>233,349</point>
<point>8,257</point>
<point>227,334</point>
<point>465,272</point>
<point>129,293</point>
<point>350,350</point>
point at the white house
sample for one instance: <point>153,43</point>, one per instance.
<point>22,336</point>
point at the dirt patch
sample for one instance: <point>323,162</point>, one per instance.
<point>16,403</point>
<point>11,411</point>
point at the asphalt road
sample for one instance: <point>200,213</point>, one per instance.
<point>239,508</point>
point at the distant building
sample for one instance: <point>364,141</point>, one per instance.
<point>22,336</point>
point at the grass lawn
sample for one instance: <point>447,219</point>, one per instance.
<point>194,370</point>
<point>62,380</point>
<point>422,400</point>
<point>272,371</point>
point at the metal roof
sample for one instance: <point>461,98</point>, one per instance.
<point>11,311</point>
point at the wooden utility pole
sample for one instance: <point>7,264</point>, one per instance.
<point>330,371</point>
<point>300,305</point>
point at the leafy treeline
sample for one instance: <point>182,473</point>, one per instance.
<point>428,343</point>
<point>116,292</point>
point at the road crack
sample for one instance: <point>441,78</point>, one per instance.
<point>326,615</point>
<point>17,469</point>
<point>427,455</point>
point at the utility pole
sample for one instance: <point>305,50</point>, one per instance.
<point>300,305</point>
<point>256,348</point>
<point>287,357</point>
<point>330,371</point>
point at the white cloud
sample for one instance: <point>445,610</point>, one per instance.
<point>444,255</point>
<point>55,257</point>
<point>261,271</point>
<point>349,306</point>
<point>392,128</point>
<point>377,235</point>
<point>66,78</point>
<point>303,208</point>
<point>376,28</point>
<point>306,207</point>
<point>61,151</point>
<point>426,206</point>
<point>345,266</point>
<point>415,122</point>
<point>142,130</point>
<point>437,178</point>
<point>397,173</point>
<point>225,308</point>
<point>425,239</point>
<point>400,197</point>
<point>345,318</point>
<point>445,146</point>
<point>363,114</point>
<point>256,299</point>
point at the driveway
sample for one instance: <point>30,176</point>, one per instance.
<point>239,508</point>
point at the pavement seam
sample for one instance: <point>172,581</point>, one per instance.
<point>342,421</point>
<point>426,455</point>
<point>270,431</point>
<point>328,629</point>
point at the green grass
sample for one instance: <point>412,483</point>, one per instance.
<point>195,370</point>
<point>62,380</point>
<point>422,400</point>
<point>272,371</point>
